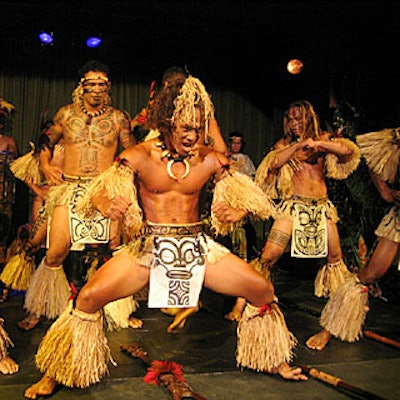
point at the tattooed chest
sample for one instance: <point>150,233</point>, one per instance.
<point>100,133</point>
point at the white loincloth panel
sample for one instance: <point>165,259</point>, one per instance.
<point>87,230</point>
<point>177,275</point>
<point>309,233</point>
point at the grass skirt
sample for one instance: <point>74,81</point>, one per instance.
<point>48,292</point>
<point>264,341</point>
<point>344,313</point>
<point>18,271</point>
<point>330,277</point>
<point>74,352</point>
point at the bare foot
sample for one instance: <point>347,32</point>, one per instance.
<point>28,323</point>
<point>8,366</point>
<point>234,315</point>
<point>290,373</point>
<point>237,310</point>
<point>319,340</point>
<point>180,318</point>
<point>44,387</point>
<point>135,323</point>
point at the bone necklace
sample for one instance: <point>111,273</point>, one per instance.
<point>174,158</point>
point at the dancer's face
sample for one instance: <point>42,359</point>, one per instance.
<point>95,88</point>
<point>295,121</point>
<point>185,136</point>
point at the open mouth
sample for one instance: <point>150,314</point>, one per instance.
<point>187,147</point>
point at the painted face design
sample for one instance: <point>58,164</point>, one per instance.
<point>95,88</point>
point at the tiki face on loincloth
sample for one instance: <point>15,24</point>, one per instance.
<point>309,238</point>
<point>179,269</point>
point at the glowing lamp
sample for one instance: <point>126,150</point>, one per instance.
<point>295,66</point>
<point>46,38</point>
<point>93,41</point>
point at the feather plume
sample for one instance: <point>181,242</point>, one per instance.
<point>158,368</point>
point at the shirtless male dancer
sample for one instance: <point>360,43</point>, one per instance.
<point>91,130</point>
<point>294,173</point>
<point>169,249</point>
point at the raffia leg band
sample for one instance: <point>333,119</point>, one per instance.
<point>48,292</point>
<point>117,313</point>
<point>264,341</point>
<point>344,313</point>
<point>74,351</point>
<point>5,341</point>
<point>18,271</point>
<point>330,277</point>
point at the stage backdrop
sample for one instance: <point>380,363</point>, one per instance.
<point>37,98</point>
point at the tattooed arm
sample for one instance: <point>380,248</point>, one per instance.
<point>126,139</point>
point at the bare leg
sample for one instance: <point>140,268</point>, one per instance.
<point>323,337</point>
<point>380,262</point>
<point>44,387</point>
<point>8,366</point>
<point>290,373</point>
<point>236,313</point>
<point>319,340</point>
<point>180,318</point>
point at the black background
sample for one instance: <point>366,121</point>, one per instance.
<point>349,48</point>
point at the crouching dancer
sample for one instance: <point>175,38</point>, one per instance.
<point>155,187</point>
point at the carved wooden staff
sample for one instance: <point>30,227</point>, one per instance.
<point>337,382</point>
<point>382,339</point>
<point>174,382</point>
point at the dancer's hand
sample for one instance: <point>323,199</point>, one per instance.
<point>112,208</point>
<point>227,214</point>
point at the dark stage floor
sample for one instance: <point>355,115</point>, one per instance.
<point>206,349</point>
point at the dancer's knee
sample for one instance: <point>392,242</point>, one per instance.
<point>89,299</point>
<point>262,293</point>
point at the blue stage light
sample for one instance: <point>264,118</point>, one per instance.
<point>46,38</point>
<point>93,41</point>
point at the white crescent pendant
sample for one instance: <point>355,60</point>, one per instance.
<point>171,174</point>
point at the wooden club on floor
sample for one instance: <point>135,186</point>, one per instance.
<point>339,383</point>
<point>169,374</point>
